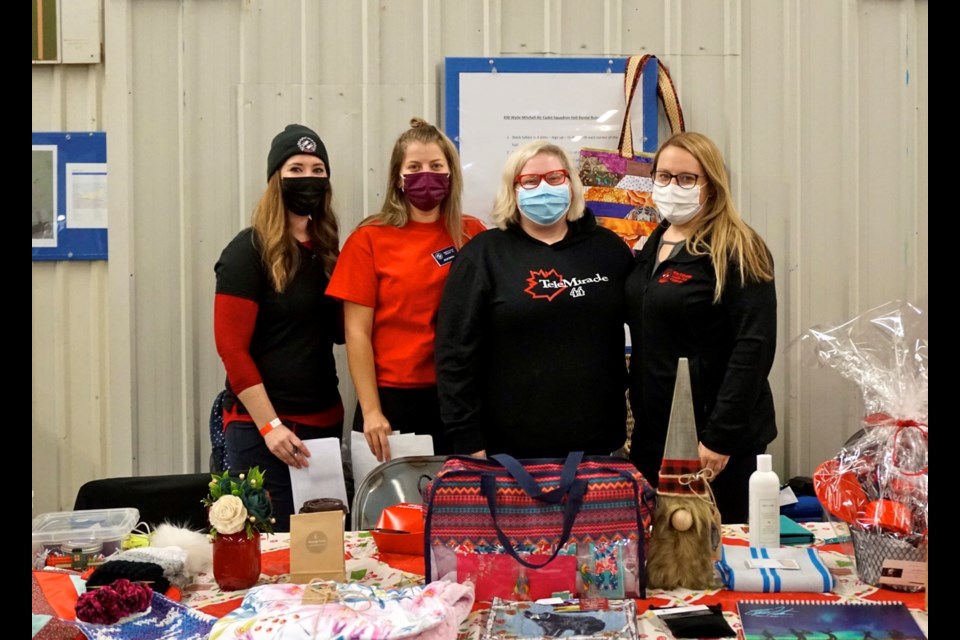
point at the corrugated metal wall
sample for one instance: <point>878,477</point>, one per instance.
<point>819,105</point>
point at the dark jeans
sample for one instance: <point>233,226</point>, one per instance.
<point>246,448</point>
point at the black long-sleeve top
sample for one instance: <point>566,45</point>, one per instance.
<point>730,347</point>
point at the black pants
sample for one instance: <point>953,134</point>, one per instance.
<point>246,448</point>
<point>411,411</point>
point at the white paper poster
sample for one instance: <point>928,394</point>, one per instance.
<point>501,111</point>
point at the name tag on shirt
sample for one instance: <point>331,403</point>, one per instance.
<point>444,256</point>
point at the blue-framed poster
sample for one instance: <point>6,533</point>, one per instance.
<point>493,105</point>
<point>69,195</point>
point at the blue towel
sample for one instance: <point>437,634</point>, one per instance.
<point>738,575</point>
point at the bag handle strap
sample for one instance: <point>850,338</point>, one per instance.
<point>488,487</point>
<point>668,97</point>
<point>531,487</point>
<point>655,83</point>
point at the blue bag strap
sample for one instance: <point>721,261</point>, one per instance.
<point>648,82</point>
<point>531,487</point>
<point>488,487</point>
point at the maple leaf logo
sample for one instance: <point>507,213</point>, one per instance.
<point>545,285</point>
<point>673,276</point>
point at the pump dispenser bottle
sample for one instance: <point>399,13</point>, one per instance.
<point>764,504</point>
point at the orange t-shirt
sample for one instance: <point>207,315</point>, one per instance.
<point>400,273</point>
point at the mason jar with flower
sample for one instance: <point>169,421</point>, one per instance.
<point>239,510</point>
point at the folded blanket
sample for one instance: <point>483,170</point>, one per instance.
<point>738,567</point>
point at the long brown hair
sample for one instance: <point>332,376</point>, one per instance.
<point>394,211</point>
<point>278,247</point>
<point>722,234</point>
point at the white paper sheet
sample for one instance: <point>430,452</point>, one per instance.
<point>323,478</point>
<point>401,445</point>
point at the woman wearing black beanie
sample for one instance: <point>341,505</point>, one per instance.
<point>274,327</point>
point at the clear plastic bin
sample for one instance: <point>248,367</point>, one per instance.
<point>84,530</point>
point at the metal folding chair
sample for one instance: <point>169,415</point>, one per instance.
<point>398,480</point>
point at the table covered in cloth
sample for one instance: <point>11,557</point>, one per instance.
<point>366,565</point>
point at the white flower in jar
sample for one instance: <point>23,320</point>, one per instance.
<point>227,514</point>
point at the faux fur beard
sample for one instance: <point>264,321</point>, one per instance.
<point>681,558</point>
<point>196,544</point>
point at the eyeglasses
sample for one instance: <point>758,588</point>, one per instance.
<point>532,180</point>
<point>685,180</point>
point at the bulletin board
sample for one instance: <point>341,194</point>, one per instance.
<point>493,105</point>
<point>69,207</point>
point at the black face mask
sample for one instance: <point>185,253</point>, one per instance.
<point>305,196</point>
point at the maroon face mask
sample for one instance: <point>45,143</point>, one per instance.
<point>425,190</point>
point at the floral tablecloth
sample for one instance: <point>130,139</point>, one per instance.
<point>366,565</point>
<point>362,560</point>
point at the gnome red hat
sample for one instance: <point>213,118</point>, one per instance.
<point>681,460</point>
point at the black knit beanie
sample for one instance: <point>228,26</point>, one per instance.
<point>295,139</point>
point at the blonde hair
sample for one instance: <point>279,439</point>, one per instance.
<point>279,250</point>
<point>505,211</point>
<point>721,233</point>
<point>394,210</point>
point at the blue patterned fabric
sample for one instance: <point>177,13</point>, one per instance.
<point>218,439</point>
<point>164,620</point>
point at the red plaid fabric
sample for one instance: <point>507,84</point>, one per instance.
<point>679,478</point>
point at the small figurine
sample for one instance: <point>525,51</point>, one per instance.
<point>686,523</point>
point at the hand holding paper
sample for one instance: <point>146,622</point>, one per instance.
<point>401,445</point>
<point>323,478</point>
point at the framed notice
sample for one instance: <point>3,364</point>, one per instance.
<point>69,207</point>
<point>493,105</point>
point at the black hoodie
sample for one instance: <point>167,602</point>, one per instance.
<point>530,343</point>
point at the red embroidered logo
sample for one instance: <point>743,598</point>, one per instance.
<point>545,285</point>
<point>673,276</point>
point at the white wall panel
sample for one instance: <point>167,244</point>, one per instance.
<point>525,28</point>
<point>209,216</point>
<point>464,27</point>
<point>820,107</point>
<point>639,27</point>
<point>159,243</point>
<point>581,28</point>
<point>70,332</point>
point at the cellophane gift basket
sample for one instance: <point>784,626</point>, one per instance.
<point>877,483</point>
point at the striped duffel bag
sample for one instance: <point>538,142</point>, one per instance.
<point>527,529</point>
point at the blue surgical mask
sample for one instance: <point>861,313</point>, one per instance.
<point>544,205</point>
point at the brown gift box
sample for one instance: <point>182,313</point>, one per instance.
<point>316,547</point>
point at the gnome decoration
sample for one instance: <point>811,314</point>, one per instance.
<point>686,523</point>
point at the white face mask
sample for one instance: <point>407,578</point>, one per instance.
<point>676,204</point>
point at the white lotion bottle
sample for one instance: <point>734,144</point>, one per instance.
<point>764,504</point>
